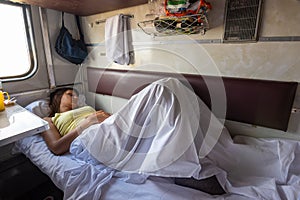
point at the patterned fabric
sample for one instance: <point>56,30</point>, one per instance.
<point>177,6</point>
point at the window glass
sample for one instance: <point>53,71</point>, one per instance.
<point>17,60</point>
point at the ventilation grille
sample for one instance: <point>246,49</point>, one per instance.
<point>242,19</point>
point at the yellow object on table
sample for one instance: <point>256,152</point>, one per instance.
<point>3,96</point>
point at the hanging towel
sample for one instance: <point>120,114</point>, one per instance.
<point>118,40</point>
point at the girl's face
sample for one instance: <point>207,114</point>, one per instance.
<point>69,101</point>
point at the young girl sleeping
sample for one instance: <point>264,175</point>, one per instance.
<point>67,120</point>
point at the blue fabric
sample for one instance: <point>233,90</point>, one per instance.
<point>69,48</point>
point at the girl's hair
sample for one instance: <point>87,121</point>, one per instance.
<point>55,98</point>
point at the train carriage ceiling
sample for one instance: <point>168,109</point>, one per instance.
<point>83,7</point>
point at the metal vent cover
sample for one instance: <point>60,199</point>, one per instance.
<point>242,18</point>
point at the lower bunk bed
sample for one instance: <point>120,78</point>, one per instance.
<point>234,168</point>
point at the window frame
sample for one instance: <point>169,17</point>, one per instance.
<point>28,24</point>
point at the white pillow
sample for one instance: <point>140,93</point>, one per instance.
<point>39,107</point>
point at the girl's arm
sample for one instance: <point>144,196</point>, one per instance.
<point>60,145</point>
<point>55,142</point>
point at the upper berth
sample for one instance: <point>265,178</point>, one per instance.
<point>83,8</point>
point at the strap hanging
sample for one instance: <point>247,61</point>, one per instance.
<point>78,26</point>
<point>77,22</point>
<point>62,19</point>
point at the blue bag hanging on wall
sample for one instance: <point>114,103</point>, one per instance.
<point>71,49</point>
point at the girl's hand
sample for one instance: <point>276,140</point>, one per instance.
<point>100,116</point>
<point>94,118</point>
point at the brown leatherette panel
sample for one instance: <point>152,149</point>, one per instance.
<point>259,102</point>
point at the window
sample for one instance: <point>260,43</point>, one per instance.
<point>18,60</point>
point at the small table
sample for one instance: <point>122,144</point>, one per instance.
<point>16,123</point>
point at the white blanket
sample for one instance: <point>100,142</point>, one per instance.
<point>153,133</point>
<point>161,131</point>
